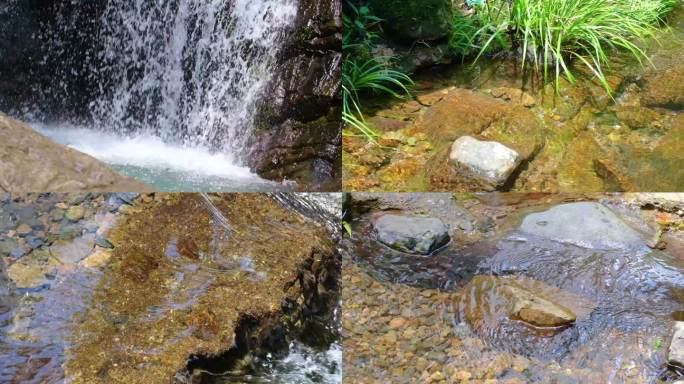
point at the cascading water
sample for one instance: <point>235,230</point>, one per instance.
<point>178,75</point>
<point>188,71</point>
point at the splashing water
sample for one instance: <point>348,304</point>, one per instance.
<point>188,71</point>
<point>180,74</point>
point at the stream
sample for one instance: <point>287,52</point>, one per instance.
<point>444,315</point>
<point>74,268</point>
<point>577,140</point>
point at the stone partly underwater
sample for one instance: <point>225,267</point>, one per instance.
<point>158,287</point>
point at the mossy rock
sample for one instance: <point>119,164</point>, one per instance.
<point>414,20</point>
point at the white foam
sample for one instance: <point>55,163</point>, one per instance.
<point>147,151</point>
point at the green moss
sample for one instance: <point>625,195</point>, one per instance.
<point>305,34</point>
<point>264,118</point>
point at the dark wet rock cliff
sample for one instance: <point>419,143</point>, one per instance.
<point>298,123</point>
<point>27,71</point>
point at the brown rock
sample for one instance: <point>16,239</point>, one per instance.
<point>189,249</point>
<point>493,300</point>
<point>462,112</point>
<point>515,95</point>
<point>397,322</point>
<point>665,88</point>
<point>29,162</point>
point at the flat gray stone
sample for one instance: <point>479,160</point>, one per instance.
<point>585,224</point>
<point>73,251</point>
<point>489,161</point>
<point>411,234</point>
<point>675,355</point>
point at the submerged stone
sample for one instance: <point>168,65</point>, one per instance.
<point>676,352</point>
<point>535,310</point>
<point>75,213</point>
<point>24,229</point>
<point>491,303</point>
<point>151,313</point>
<point>585,224</point>
<point>7,246</point>
<point>411,234</point>
<point>515,95</point>
<point>489,161</point>
<point>665,88</point>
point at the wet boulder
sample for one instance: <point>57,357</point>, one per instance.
<point>412,20</point>
<point>536,310</point>
<point>411,234</point>
<point>676,352</point>
<point>584,224</point>
<point>490,162</point>
<point>490,300</point>
<point>297,122</point>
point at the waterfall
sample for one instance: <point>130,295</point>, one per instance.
<point>189,72</point>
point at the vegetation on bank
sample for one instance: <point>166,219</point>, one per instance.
<point>361,71</point>
<point>549,35</point>
<point>551,38</point>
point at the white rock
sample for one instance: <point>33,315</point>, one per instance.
<point>489,161</point>
<point>675,355</point>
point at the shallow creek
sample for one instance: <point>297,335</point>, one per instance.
<point>445,317</point>
<point>578,140</point>
<point>169,288</point>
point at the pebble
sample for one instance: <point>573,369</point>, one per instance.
<point>7,246</point>
<point>24,229</point>
<point>75,213</point>
<point>397,322</point>
<point>57,214</point>
<point>68,232</point>
<point>34,242</point>
<point>103,242</point>
<point>91,227</point>
<point>18,253</point>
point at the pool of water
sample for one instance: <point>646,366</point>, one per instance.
<point>632,295</point>
<point>164,166</point>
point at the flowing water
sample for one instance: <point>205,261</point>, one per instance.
<point>626,298</point>
<point>71,306</point>
<point>175,87</point>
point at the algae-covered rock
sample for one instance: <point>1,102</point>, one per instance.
<point>413,20</point>
<point>194,277</point>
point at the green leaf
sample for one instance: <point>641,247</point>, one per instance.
<point>347,228</point>
<point>656,344</point>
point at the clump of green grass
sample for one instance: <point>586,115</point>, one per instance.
<point>370,76</point>
<point>551,34</point>
<point>361,72</point>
